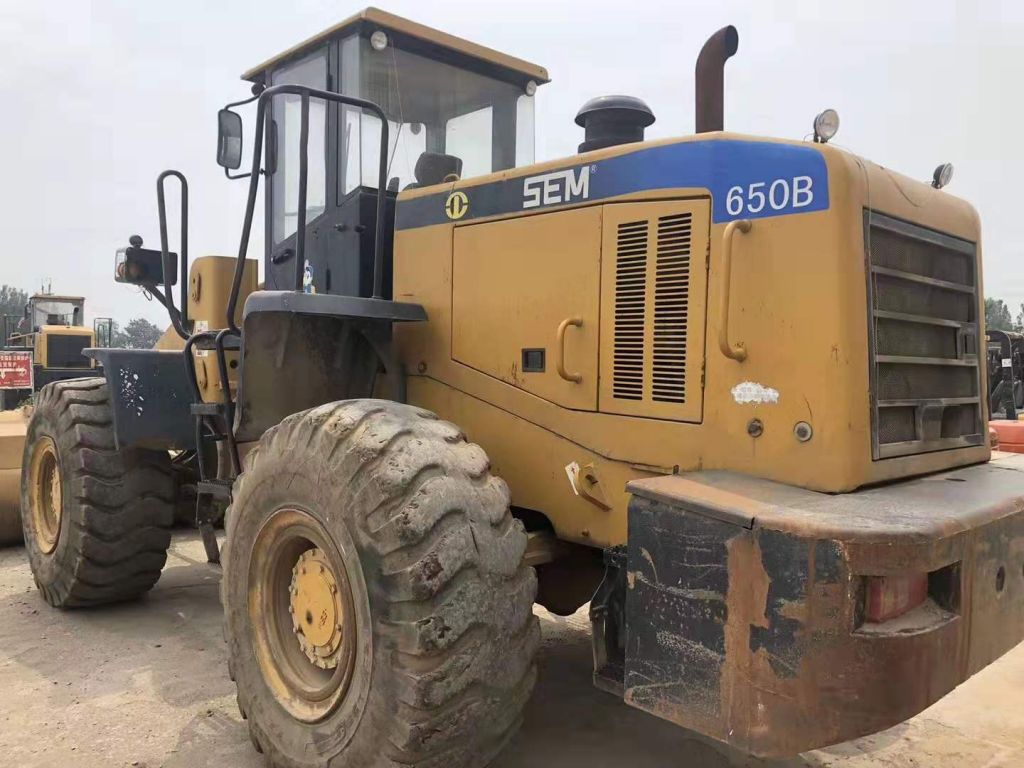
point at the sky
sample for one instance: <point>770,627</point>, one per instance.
<point>96,98</point>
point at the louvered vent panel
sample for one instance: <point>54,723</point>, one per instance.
<point>654,258</point>
<point>671,308</point>
<point>630,296</point>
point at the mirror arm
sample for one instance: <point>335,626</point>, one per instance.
<point>172,311</point>
<point>233,176</point>
<point>157,294</point>
<point>243,102</point>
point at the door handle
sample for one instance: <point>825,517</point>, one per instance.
<point>575,378</point>
<point>735,351</point>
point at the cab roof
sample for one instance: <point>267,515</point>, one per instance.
<point>54,297</point>
<point>374,18</point>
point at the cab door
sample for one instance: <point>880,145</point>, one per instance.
<point>282,187</point>
<point>525,303</point>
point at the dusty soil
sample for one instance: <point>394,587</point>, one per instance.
<point>145,685</point>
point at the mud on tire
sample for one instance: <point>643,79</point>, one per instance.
<point>117,506</point>
<point>446,634</point>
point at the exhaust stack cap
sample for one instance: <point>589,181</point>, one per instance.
<point>608,121</point>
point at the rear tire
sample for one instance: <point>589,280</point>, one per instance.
<point>96,519</point>
<point>436,636</point>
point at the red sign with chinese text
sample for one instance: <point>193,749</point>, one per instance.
<point>15,370</point>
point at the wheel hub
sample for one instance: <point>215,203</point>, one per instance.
<point>318,616</point>
<point>46,498</point>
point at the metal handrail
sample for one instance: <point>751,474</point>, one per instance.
<point>229,405</point>
<point>305,93</point>
<point>179,317</point>
<point>197,396</point>
<point>735,351</point>
<point>574,378</point>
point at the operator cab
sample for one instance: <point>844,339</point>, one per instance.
<point>47,309</point>
<point>454,109</point>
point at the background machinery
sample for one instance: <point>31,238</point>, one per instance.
<point>41,345</point>
<point>734,387</point>
<point>53,330</point>
<point>1005,373</point>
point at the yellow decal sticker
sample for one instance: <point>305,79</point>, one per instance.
<point>456,205</point>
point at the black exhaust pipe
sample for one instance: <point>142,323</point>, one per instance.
<point>710,78</point>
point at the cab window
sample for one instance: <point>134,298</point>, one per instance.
<point>432,107</point>
<point>287,116</point>
<point>470,137</point>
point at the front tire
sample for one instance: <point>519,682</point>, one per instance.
<point>96,519</point>
<point>378,612</point>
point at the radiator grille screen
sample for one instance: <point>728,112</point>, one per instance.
<point>926,377</point>
<point>66,351</point>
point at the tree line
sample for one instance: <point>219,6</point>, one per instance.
<point>999,316</point>
<point>137,333</point>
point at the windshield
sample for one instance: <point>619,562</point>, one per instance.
<point>433,107</point>
<point>56,312</point>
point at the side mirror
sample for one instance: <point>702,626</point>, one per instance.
<point>229,140</point>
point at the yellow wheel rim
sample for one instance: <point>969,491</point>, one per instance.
<point>46,496</point>
<point>301,610</point>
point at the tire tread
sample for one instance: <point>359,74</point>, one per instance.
<point>120,502</point>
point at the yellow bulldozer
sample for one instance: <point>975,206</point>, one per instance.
<point>728,390</point>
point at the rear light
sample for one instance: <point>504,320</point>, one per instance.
<point>887,597</point>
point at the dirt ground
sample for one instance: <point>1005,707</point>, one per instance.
<point>145,685</point>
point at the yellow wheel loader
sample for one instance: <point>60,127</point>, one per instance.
<point>52,332</point>
<point>43,345</point>
<point>728,390</point>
